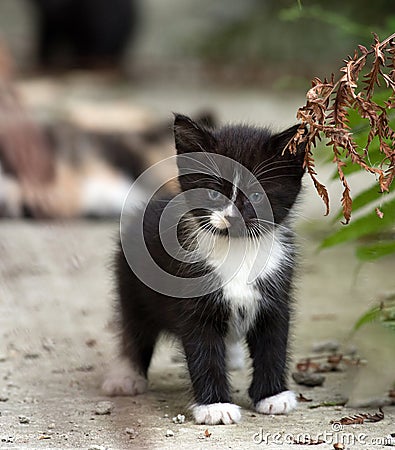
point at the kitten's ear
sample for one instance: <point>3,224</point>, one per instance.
<point>279,141</point>
<point>190,136</point>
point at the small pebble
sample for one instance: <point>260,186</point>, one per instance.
<point>338,446</point>
<point>48,344</point>
<point>75,262</point>
<point>352,350</point>
<point>23,419</point>
<point>131,432</point>
<point>103,408</point>
<point>3,358</point>
<point>179,418</point>
<point>85,368</point>
<point>326,346</point>
<point>96,447</point>
<point>31,355</point>
<point>308,379</point>
<point>166,416</point>
<point>4,398</point>
<point>169,433</point>
<point>90,342</point>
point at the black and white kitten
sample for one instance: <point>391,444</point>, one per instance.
<point>233,221</point>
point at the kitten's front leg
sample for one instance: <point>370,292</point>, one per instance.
<point>205,353</point>
<point>267,342</point>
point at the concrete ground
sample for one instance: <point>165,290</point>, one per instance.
<point>56,343</point>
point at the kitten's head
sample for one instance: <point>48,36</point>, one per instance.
<point>237,179</point>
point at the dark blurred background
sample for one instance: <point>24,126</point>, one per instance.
<point>280,42</point>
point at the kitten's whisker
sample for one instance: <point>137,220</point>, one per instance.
<point>272,169</point>
<point>277,225</point>
<point>265,164</point>
<point>266,161</point>
<point>214,179</point>
<point>209,156</point>
<point>282,176</point>
<point>211,170</point>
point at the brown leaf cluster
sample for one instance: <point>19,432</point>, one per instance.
<point>325,114</point>
<point>361,418</point>
<point>322,363</point>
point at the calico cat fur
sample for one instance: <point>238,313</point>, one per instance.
<point>211,327</point>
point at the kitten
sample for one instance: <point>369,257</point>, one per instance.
<point>230,277</point>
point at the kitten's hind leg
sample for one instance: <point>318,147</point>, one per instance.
<point>128,374</point>
<point>124,379</point>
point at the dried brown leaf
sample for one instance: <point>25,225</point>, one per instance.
<point>347,205</point>
<point>302,399</point>
<point>379,213</point>
<point>307,365</point>
<point>372,78</point>
<point>360,418</point>
<point>335,359</point>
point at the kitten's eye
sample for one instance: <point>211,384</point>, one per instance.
<point>256,197</point>
<point>214,195</point>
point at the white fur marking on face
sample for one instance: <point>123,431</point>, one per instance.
<point>235,355</point>
<point>236,182</point>
<point>216,413</point>
<point>218,220</point>
<point>282,403</point>
<point>231,211</point>
<point>123,379</point>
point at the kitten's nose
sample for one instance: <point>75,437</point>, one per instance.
<point>233,221</point>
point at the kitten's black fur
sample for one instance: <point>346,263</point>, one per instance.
<point>202,323</point>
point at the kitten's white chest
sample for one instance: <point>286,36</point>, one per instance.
<point>240,263</point>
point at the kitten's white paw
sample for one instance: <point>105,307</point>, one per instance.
<point>216,413</point>
<point>235,356</point>
<point>282,403</point>
<point>123,379</point>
